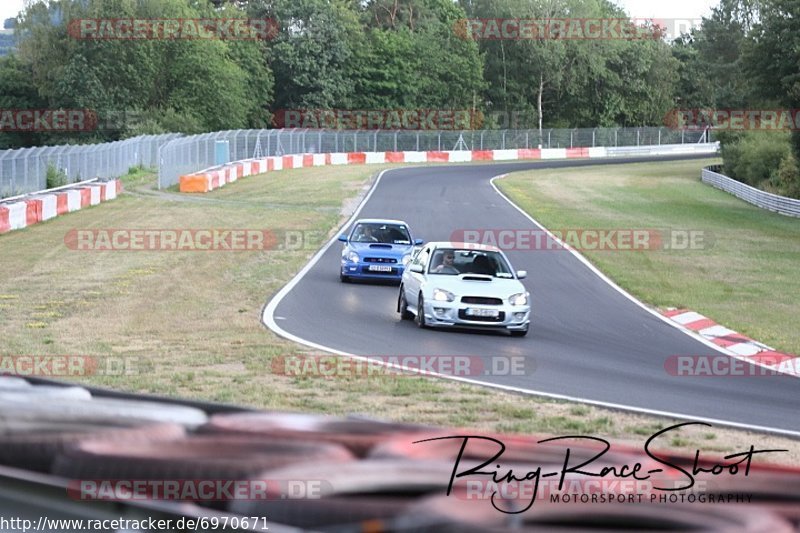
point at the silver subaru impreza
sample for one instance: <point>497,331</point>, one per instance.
<point>450,284</point>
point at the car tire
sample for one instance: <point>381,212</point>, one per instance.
<point>57,409</point>
<point>420,318</point>
<point>402,306</point>
<point>194,457</point>
<point>43,392</point>
<point>519,332</point>
<point>455,513</point>
<point>391,487</point>
<point>343,278</point>
<point>358,436</point>
<point>33,443</point>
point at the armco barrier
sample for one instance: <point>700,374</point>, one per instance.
<point>30,210</point>
<point>772,202</point>
<point>215,177</point>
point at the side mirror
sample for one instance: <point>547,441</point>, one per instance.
<point>416,268</point>
<point>522,274</point>
<point>417,242</point>
<point>343,237</point>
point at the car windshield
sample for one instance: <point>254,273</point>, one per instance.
<point>454,261</point>
<point>381,233</point>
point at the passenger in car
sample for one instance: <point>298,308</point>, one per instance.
<point>482,265</point>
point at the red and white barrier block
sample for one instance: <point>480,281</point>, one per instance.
<point>736,344</point>
<point>215,177</point>
<point>44,206</point>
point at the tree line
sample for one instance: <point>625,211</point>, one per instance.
<point>406,55</point>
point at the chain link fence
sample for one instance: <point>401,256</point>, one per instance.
<point>189,154</point>
<point>25,170</point>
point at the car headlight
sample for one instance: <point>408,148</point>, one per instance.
<point>406,259</point>
<point>441,295</point>
<point>352,257</point>
<point>519,299</point>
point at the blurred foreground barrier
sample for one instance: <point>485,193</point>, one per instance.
<point>296,472</point>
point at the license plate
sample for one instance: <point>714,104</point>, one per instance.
<point>493,313</point>
<point>380,268</point>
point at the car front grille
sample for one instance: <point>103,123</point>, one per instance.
<point>481,300</point>
<point>380,260</point>
<point>462,314</point>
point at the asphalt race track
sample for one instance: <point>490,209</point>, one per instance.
<point>587,340</point>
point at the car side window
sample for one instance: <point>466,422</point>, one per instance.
<point>422,257</point>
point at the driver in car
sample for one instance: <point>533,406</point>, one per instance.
<point>447,266</point>
<point>367,234</point>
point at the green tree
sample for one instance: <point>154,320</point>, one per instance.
<point>312,55</point>
<point>413,57</point>
<point>772,57</point>
<point>17,91</point>
<point>205,84</point>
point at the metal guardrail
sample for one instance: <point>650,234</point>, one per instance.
<point>190,154</point>
<point>765,200</point>
<point>701,148</point>
<point>24,170</point>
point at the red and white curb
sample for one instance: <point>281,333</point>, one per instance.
<point>46,205</point>
<point>215,177</point>
<point>735,344</point>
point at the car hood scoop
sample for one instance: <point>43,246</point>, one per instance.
<point>380,246</point>
<point>476,277</point>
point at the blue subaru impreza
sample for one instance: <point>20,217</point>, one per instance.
<point>376,249</point>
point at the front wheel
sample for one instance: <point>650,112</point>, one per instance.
<point>343,278</point>
<point>420,318</point>
<point>402,305</point>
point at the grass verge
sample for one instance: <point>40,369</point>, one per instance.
<point>745,274</point>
